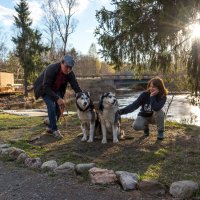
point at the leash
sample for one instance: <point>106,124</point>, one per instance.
<point>62,116</point>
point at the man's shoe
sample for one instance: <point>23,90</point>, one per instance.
<point>146,133</point>
<point>160,135</point>
<point>57,134</point>
<point>48,130</point>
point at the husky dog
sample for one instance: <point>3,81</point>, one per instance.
<point>109,117</point>
<point>87,115</point>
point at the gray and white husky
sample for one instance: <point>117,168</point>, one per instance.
<point>87,115</point>
<point>110,118</point>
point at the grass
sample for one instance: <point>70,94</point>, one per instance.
<point>175,158</point>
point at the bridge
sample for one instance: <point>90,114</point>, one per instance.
<point>119,80</point>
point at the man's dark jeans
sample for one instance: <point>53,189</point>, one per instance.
<point>53,112</point>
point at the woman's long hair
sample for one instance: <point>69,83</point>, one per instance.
<point>158,82</point>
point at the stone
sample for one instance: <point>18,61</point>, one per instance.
<point>6,151</point>
<point>22,157</point>
<point>33,163</point>
<point>152,187</point>
<point>15,153</point>
<point>102,176</point>
<point>2,146</point>
<point>49,165</point>
<point>84,167</point>
<point>46,121</point>
<point>11,152</point>
<point>183,189</point>
<point>66,165</point>
<point>127,180</point>
<point>66,168</point>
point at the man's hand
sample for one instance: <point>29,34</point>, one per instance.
<point>61,102</point>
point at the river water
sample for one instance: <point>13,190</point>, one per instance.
<point>180,110</point>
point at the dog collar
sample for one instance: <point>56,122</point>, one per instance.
<point>81,108</point>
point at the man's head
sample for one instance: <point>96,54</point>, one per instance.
<point>67,64</point>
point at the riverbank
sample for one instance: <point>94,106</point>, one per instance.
<point>175,158</point>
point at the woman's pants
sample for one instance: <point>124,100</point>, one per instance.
<point>158,118</point>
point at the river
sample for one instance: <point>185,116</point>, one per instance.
<point>180,110</point>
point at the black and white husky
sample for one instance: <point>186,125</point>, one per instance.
<point>109,117</point>
<point>87,115</point>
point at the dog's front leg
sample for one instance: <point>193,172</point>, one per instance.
<point>84,138</point>
<point>92,129</point>
<point>115,130</point>
<point>104,134</point>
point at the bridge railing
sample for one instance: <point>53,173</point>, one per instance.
<point>108,76</point>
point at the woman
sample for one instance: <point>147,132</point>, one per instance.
<point>151,101</point>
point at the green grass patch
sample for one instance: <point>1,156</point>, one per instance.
<point>14,122</point>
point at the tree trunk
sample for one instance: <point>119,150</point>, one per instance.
<point>25,83</point>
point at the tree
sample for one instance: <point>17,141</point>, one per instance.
<point>50,28</point>
<point>93,50</point>
<point>28,44</point>
<point>147,34</point>
<point>62,15</point>
<point>3,48</point>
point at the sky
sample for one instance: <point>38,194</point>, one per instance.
<point>83,36</point>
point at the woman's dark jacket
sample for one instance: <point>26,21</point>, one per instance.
<point>148,104</point>
<point>44,83</point>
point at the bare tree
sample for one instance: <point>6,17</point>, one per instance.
<point>62,12</point>
<point>50,27</point>
<point>3,48</point>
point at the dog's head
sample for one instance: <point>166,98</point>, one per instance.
<point>108,100</point>
<point>83,100</point>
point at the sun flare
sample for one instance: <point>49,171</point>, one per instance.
<point>195,30</point>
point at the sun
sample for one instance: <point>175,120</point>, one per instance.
<point>195,30</point>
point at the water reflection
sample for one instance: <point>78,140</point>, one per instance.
<point>180,110</point>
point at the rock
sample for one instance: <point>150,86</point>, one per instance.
<point>6,151</point>
<point>15,153</point>
<point>66,168</point>
<point>183,189</point>
<point>33,163</point>
<point>127,180</point>
<point>66,165</point>
<point>22,157</point>
<point>49,165</point>
<point>2,146</point>
<point>46,121</point>
<point>84,167</point>
<point>11,152</point>
<point>102,176</point>
<point>152,187</point>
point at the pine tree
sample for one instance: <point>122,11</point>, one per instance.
<point>28,44</point>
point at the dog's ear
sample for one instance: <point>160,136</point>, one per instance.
<point>87,93</point>
<point>78,94</point>
<point>101,102</point>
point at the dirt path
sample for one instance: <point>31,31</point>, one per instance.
<point>17,183</point>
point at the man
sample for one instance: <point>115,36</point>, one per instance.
<point>51,86</point>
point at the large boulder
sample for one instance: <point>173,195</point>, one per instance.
<point>22,157</point>
<point>11,153</point>
<point>183,189</point>
<point>102,176</point>
<point>66,168</point>
<point>84,167</point>
<point>33,163</point>
<point>127,180</point>
<point>152,187</point>
<point>49,165</point>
